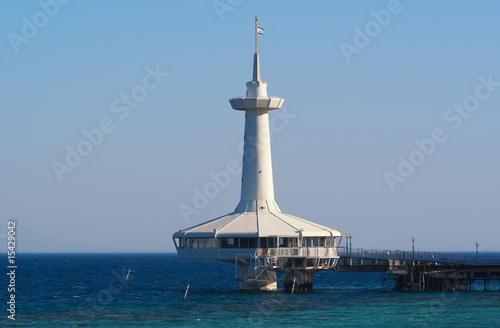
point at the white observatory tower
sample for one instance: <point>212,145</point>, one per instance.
<point>259,238</point>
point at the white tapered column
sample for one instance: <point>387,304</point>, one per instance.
<point>257,190</point>
<point>257,175</point>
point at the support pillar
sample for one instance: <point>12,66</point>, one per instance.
<point>303,281</point>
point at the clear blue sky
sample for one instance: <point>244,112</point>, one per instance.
<point>353,118</point>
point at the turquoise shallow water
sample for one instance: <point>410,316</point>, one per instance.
<point>84,290</point>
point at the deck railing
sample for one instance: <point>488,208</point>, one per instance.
<point>423,256</point>
<point>302,252</point>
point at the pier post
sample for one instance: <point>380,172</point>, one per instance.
<point>303,281</point>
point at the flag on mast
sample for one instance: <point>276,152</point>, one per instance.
<point>260,31</point>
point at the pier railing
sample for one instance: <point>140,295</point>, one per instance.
<point>302,252</point>
<point>361,255</point>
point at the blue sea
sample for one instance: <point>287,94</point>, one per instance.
<point>87,290</point>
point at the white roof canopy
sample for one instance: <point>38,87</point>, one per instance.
<point>258,224</point>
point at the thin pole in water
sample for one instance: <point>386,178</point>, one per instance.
<point>293,286</point>
<point>127,275</point>
<point>185,294</point>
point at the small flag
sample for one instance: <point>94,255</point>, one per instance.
<point>260,31</point>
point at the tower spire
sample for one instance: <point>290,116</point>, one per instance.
<point>256,64</point>
<point>256,68</point>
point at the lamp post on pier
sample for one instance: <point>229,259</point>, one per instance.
<point>477,253</point>
<point>350,244</point>
<point>346,244</point>
<point>413,250</point>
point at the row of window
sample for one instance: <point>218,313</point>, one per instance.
<point>238,242</point>
<point>270,242</point>
<point>314,242</point>
<point>202,243</point>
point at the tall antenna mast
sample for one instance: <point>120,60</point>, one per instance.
<point>256,66</point>
<point>256,35</point>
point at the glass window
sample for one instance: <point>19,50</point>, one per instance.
<point>194,243</point>
<point>179,242</point>
<point>314,241</point>
<point>200,243</point>
<point>288,242</point>
<point>228,242</point>
<point>223,243</point>
<point>248,242</point>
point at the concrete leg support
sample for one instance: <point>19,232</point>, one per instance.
<point>267,281</point>
<point>303,281</point>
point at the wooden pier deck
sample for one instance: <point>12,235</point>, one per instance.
<point>425,271</point>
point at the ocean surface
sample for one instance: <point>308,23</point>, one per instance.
<point>89,290</point>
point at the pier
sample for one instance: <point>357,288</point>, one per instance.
<point>424,271</point>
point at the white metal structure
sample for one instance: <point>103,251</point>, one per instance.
<point>258,237</point>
